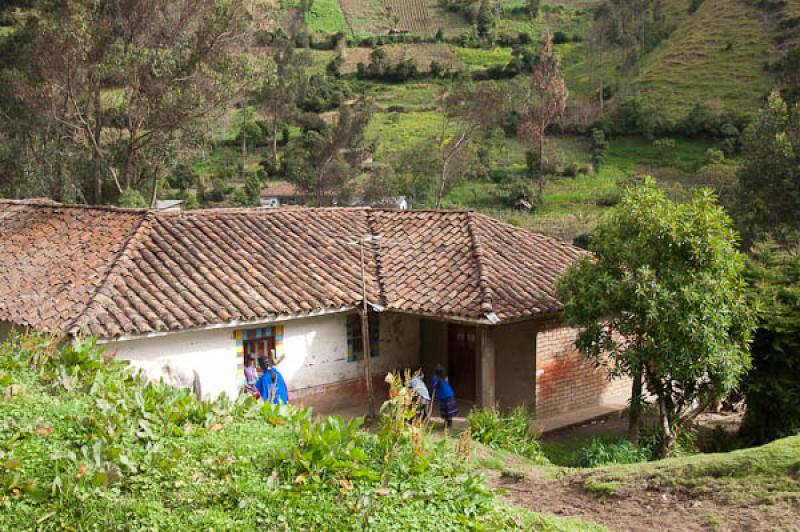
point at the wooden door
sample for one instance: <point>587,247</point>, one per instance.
<point>462,360</point>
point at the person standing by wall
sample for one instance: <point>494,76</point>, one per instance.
<point>443,393</point>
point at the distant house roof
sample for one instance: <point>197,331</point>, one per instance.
<point>281,190</point>
<point>112,272</point>
<point>165,204</point>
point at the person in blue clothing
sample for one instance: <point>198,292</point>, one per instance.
<point>444,394</point>
<point>271,385</point>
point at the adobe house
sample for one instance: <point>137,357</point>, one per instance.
<point>200,289</point>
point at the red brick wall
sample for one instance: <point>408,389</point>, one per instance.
<point>565,380</point>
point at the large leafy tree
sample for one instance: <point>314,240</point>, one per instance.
<point>96,88</point>
<point>768,195</point>
<point>664,299</point>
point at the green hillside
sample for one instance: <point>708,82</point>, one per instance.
<point>716,56</point>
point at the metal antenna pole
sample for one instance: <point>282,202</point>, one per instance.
<point>365,336</point>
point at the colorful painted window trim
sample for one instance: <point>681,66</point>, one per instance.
<point>355,346</point>
<point>252,338</point>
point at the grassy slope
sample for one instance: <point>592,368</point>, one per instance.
<point>763,473</point>
<point>696,65</point>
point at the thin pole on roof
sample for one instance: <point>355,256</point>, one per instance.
<point>365,336</point>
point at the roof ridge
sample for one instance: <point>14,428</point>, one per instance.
<point>52,204</point>
<point>484,289</point>
<point>111,274</point>
<point>378,268</point>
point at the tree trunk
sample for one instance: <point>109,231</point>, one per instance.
<point>154,194</point>
<point>244,141</point>
<point>275,140</point>
<point>440,189</point>
<point>635,414</point>
<point>98,131</point>
<point>541,165</point>
<point>668,438</point>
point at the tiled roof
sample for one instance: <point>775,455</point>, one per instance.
<point>112,272</point>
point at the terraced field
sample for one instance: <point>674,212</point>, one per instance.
<point>422,53</point>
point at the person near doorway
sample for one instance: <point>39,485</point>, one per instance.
<point>445,395</point>
<point>417,386</point>
<point>271,385</point>
<point>250,376</point>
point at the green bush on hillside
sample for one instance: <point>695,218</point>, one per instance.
<point>619,451</point>
<point>509,432</point>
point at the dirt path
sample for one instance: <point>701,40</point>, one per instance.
<point>643,507</point>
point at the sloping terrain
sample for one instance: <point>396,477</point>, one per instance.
<point>751,489</point>
<point>716,56</point>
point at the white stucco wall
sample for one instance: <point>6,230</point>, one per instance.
<point>210,353</point>
<point>315,352</point>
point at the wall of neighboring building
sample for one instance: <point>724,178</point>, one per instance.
<point>566,381</point>
<point>515,364</point>
<point>314,361</point>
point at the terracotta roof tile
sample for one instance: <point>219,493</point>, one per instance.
<point>111,272</point>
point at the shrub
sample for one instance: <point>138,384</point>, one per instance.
<point>715,156</point>
<point>559,37</point>
<point>650,438</point>
<point>609,199</point>
<point>618,451</point>
<point>132,199</point>
<point>510,432</point>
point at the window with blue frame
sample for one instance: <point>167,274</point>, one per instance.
<point>355,345</point>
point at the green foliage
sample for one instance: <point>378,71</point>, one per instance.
<point>601,452</point>
<point>773,385</point>
<point>132,199</point>
<point>84,443</point>
<point>768,198</point>
<point>599,148</point>
<point>510,432</point>
<point>667,278</point>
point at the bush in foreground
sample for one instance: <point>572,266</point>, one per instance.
<point>85,444</point>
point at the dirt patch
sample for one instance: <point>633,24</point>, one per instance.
<point>641,505</point>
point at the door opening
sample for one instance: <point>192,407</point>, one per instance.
<point>462,360</point>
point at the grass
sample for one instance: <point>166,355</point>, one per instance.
<point>715,56</point>
<point>85,444</point>
<point>399,131</point>
<point>572,206</point>
<point>481,59</point>
<point>762,474</point>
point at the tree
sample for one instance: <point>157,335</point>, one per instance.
<point>533,9</point>
<point>468,108</point>
<point>773,386</point>
<point>281,88</point>
<point>599,148</point>
<point>544,101</point>
<point>664,299</point>
<point>112,88</point>
<point>768,193</point>
<point>327,159</point>
<point>485,20</point>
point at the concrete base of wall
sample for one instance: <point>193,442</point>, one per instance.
<point>346,398</point>
<point>575,417</point>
